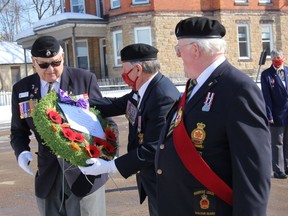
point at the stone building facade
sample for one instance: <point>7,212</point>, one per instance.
<point>251,25</point>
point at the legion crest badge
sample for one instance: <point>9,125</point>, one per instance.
<point>198,135</point>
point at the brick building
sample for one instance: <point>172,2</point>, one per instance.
<point>94,31</point>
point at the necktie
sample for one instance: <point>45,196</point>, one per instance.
<point>280,73</point>
<point>50,87</point>
<point>138,98</point>
<point>189,90</point>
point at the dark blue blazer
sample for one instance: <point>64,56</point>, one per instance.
<point>77,81</point>
<point>275,95</point>
<point>236,147</point>
<point>157,100</point>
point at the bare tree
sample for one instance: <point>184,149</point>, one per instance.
<point>3,4</point>
<point>44,6</point>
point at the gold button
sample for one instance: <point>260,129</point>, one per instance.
<point>162,146</point>
<point>159,171</point>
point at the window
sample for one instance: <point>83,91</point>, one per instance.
<point>264,1</point>
<point>115,4</point>
<point>241,1</point>
<point>143,35</point>
<point>78,6</point>
<point>15,74</point>
<point>118,45</point>
<point>243,40</point>
<point>140,1</point>
<point>82,54</point>
<point>267,42</point>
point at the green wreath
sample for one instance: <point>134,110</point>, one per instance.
<point>73,146</point>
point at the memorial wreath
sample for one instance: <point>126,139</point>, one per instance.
<point>72,145</point>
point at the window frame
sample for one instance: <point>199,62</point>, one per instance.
<point>87,52</point>
<point>117,48</point>
<point>247,41</point>
<point>142,2</point>
<point>271,41</point>
<point>136,33</point>
<point>265,2</point>
<point>71,6</point>
<point>115,6</point>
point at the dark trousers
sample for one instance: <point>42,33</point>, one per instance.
<point>279,144</point>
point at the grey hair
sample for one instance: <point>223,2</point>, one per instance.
<point>151,66</point>
<point>211,46</point>
<point>276,53</point>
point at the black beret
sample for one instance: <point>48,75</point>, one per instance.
<point>138,52</point>
<point>199,27</point>
<point>45,47</point>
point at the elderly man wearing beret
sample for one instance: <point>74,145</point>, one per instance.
<point>61,189</point>
<point>214,155</point>
<point>145,107</point>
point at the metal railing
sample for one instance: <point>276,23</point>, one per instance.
<point>5,98</point>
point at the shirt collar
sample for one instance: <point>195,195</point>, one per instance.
<point>143,88</point>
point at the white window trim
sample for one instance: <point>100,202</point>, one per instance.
<point>248,41</point>
<point>142,28</point>
<point>241,1</point>
<point>116,57</point>
<point>142,2</point>
<point>111,4</point>
<point>264,1</point>
<point>71,7</point>
<point>270,36</point>
<point>86,42</point>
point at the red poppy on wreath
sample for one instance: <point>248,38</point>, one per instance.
<point>78,137</point>
<point>110,135</point>
<point>54,116</point>
<point>68,133</point>
<point>93,151</point>
<point>109,148</point>
<point>98,141</point>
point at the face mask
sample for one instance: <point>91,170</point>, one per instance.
<point>277,63</point>
<point>128,81</point>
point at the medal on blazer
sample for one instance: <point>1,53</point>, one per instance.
<point>208,101</point>
<point>140,135</point>
<point>131,112</point>
<point>198,135</point>
<point>178,117</point>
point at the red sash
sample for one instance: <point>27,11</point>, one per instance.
<point>194,163</point>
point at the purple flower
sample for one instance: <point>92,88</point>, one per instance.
<point>82,102</point>
<point>64,97</point>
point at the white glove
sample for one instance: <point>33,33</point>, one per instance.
<point>99,166</point>
<point>23,161</point>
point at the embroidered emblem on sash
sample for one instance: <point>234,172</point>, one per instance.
<point>198,135</point>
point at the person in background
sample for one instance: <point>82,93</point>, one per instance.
<point>274,85</point>
<point>213,156</point>
<point>72,194</point>
<point>145,107</point>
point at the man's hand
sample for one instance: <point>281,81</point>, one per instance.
<point>98,167</point>
<point>23,161</point>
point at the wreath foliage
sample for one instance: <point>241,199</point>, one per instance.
<point>73,146</point>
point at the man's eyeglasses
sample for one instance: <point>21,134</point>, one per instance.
<point>46,64</point>
<point>177,48</point>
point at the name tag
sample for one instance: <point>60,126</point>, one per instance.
<point>23,94</point>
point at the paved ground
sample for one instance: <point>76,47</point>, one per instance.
<point>17,187</point>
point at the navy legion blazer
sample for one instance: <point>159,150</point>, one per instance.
<point>157,100</point>
<point>276,96</point>
<point>77,81</point>
<point>236,148</point>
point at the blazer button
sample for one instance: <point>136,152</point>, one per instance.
<point>162,146</point>
<point>159,171</point>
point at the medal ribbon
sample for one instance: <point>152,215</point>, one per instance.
<point>194,163</point>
